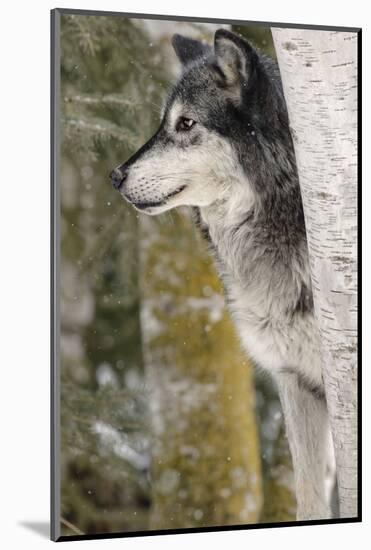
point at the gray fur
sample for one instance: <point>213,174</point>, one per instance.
<point>234,163</point>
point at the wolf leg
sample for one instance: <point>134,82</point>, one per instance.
<point>307,431</point>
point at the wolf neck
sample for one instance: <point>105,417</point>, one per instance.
<point>227,227</point>
<point>260,245</point>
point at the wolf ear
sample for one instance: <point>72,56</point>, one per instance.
<point>235,57</point>
<point>187,49</point>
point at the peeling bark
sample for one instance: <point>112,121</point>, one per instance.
<point>319,74</point>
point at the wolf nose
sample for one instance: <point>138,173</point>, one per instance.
<point>118,177</point>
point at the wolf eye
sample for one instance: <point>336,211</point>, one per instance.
<point>184,124</point>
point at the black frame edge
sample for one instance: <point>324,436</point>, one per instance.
<point>359,268</point>
<point>131,534</point>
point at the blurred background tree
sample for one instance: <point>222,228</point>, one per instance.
<point>120,470</point>
<point>107,111</point>
<point>206,466</point>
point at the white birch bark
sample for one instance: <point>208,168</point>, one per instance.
<point>319,74</point>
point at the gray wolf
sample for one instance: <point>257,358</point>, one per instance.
<point>224,148</point>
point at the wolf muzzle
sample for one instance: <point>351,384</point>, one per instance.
<point>118,176</point>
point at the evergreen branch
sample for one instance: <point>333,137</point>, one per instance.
<point>109,100</point>
<point>71,526</point>
<point>86,41</point>
<point>98,249</point>
<point>100,128</point>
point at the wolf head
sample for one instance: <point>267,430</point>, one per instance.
<point>224,132</point>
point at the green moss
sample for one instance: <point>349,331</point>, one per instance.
<point>206,460</point>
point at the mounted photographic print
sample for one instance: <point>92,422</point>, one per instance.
<point>204,274</point>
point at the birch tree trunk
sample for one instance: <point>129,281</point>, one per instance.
<point>319,74</point>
